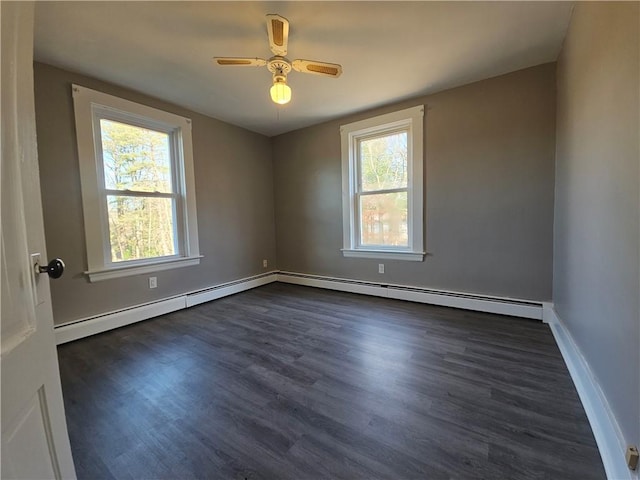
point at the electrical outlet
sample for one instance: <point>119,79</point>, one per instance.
<point>153,282</point>
<point>265,264</point>
<point>381,268</point>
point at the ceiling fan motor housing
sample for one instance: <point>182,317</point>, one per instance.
<point>279,66</point>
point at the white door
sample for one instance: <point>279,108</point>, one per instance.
<point>35,443</point>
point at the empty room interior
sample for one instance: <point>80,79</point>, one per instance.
<point>341,239</point>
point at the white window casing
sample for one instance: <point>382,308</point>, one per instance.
<point>411,121</point>
<point>90,107</point>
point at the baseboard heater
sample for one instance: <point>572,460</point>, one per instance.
<point>85,327</point>
<point>106,321</point>
<point>229,288</point>
<point>468,301</point>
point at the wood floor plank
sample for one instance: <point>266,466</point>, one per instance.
<point>285,381</point>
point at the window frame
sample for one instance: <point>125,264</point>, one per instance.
<point>91,106</point>
<point>410,120</point>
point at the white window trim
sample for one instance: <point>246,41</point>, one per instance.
<point>411,119</point>
<point>87,105</point>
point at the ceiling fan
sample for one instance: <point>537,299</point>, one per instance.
<point>279,65</point>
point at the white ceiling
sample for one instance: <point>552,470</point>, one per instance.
<point>389,51</point>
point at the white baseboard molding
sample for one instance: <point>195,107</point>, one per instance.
<point>606,429</point>
<point>90,326</point>
<point>202,296</point>
<point>480,303</point>
<point>108,321</point>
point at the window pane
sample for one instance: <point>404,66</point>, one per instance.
<point>140,227</point>
<point>135,158</point>
<point>383,220</point>
<point>383,162</point>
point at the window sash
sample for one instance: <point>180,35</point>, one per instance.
<point>381,133</point>
<point>179,246</point>
<point>139,193</point>
<point>358,192</point>
<point>358,221</point>
<point>175,210</point>
<point>383,191</point>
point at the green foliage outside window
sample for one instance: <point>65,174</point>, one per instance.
<point>137,161</point>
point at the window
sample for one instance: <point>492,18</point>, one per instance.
<point>382,185</point>
<point>138,198</point>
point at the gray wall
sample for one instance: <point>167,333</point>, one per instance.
<point>489,149</point>
<point>234,194</point>
<point>596,286</point>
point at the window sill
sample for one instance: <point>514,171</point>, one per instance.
<point>139,269</point>
<point>384,254</point>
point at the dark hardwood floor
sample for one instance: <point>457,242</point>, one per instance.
<point>293,382</point>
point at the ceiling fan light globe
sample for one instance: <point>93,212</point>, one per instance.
<point>280,93</point>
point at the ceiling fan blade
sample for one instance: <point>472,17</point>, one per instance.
<point>278,29</point>
<point>240,62</point>
<point>317,68</point>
